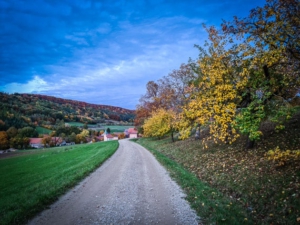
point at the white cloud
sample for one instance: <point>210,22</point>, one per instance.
<point>37,84</point>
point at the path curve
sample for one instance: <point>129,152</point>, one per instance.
<point>129,188</point>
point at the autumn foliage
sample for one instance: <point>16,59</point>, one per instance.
<point>246,73</point>
<point>160,123</point>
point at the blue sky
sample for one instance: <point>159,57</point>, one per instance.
<point>102,52</point>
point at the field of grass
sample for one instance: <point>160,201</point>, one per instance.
<point>114,128</point>
<point>226,176</point>
<point>29,183</point>
<point>42,130</point>
<point>77,124</point>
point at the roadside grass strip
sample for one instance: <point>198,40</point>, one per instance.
<point>30,183</point>
<point>211,205</point>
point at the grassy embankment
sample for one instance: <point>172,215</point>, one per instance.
<point>29,183</point>
<point>227,184</point>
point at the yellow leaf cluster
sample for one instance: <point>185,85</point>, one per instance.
<point>282,157</point>
<point>160,123</point>
<point>215,102</point>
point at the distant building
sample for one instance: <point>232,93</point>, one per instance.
<point>131,133</point>
<point>36,142</point>
<point>109,137</point>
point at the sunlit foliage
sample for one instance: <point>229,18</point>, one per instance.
<point>160,123</point>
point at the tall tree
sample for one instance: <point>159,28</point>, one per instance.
<point>167,93</point>
<point>245,82</point>
<point>221,79</point>
<point>271,35</point>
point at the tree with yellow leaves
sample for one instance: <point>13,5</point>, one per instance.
<point>240,85</point>
<point>160,123</point>
<point>221,79</point>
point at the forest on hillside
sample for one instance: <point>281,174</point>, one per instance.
<point>22,110</point>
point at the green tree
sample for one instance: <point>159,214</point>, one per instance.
<point>72,137</point>
<point>12,132</point>
<point>271,37</point>
<point>27,132</point>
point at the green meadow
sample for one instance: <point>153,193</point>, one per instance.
<point>30,182</point>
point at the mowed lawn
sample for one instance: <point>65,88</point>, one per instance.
<point>29,183</point>
<point>75,124</point>
<point>116,128</point>
<point>113,128</point>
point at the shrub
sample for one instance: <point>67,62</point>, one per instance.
<point>282,157</point>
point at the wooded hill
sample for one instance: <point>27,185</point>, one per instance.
<point>20,110</point>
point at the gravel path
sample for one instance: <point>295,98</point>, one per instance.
<point>129,188</point>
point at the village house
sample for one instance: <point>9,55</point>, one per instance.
<point>109,137</point>
<point>36,142</point>
<point>131,133</point>
<point>55,141</point>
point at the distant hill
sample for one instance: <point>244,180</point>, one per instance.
<point>20,110</point>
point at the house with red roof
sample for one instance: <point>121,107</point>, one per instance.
<point>109,137</point>
<point>131,133</point>
<point>36,142</point>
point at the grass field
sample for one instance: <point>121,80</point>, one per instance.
<point>114,128</point>
<point>75,124</point>
<point>42,130</point>
<point>31,182</point>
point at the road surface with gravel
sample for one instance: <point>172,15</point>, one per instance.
<point>129,188</point>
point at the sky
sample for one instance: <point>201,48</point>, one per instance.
<point>102,52</point>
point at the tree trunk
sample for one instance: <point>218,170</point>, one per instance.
<point>172,135</point>
<point>229,134</point>
<point>250,143</point>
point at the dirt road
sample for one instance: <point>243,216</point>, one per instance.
<point>129,188</point>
